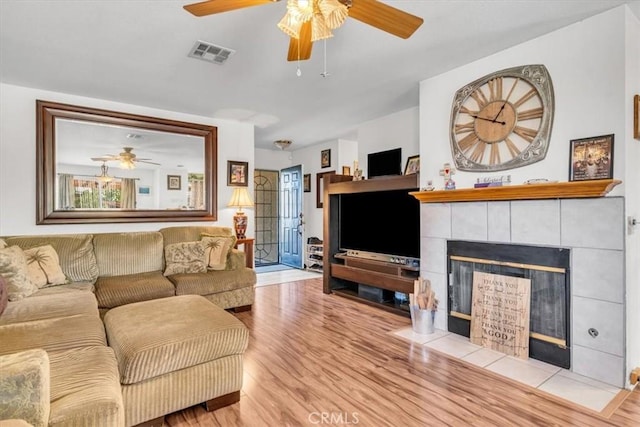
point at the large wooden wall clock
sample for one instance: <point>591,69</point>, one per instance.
<point>502,120</point>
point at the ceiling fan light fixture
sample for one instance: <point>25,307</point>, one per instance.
<point>319,29</point>
<point>290,25</point>
<point>282,143</point>
<point>127,164</point>
<point>104,174</point>
<point>334,13</point>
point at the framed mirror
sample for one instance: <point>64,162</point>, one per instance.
<point>98,166</point>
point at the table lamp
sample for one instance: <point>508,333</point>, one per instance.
<point>239,199</point>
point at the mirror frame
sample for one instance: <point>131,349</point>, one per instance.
<point>46,114</point>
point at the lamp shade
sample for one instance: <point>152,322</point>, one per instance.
<point>240,198</point>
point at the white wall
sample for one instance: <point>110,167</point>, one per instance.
<point>385,133</point>
<point>18,153</point>
<point>632,196</point>
<point>594,66</point>
<point>586,62</point>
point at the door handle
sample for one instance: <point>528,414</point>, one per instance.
<point>300,224</point>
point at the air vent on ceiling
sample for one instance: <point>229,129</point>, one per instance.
<point>210,52</point>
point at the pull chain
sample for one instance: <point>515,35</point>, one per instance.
<point>298,71</point>
<point>325,73</point>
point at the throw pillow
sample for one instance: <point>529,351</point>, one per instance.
<point>43,266</point>
<point>13,267</point>
<point>25,384</point>
<point>216,251</point>
<point>184,257</point>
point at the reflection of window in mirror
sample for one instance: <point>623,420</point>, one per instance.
<point>195,197</point>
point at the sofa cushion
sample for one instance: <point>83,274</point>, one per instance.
<point>75,251</point>
<point>59,333</point>
<point>43,266</point>
<point>190,331</point>
<point>114,291</point>
<point>4,295</point>
<point>213,282</point>
<point>184,257</point>
<point>39,307</point>
<point>120,254</point>
<point>24,387</point>
<point>217,250</point>
<point>13,267</point>
<point>85,388</point>
<point>3,244</point>
<point>192,233</point>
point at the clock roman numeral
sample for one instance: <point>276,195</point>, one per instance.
<point>464,109</point>
<point>513,150</point>
<point>468,142</point>
<point>478,152</point>
<point>534,113</point>
<point>495,89</point>
<point>527,96</point>
<point>495,154</point>
<point>478,95</point>
<point>526,133</point>
<point>466,127</point>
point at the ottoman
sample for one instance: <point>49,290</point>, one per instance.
<point>174,353</point>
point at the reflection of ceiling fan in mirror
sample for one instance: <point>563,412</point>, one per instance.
<point>127,159</point>
<point>307,21</point>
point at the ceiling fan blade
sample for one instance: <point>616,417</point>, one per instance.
<point>102,158</point>
<point>211,7</point>
<point>300,49</point>
<point>144,161</point>
<point>385,18</point>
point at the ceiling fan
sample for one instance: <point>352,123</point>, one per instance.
<point>127,159</point>
<point>307,21</point>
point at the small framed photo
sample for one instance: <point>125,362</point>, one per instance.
<point>412,166</point>
<point>144,190</point>
<point>346,170</point>
<point>307,182</point>
<point>174,182</point>
<point>325,158</point>
<point>591,158</point>
<point>636,117</point>
<point>320,187</point>
<point>237,173</point>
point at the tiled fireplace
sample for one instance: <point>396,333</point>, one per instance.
<point>592,232</point>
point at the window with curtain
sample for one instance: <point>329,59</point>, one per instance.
<point>92,194</point>
<point>195,197</point>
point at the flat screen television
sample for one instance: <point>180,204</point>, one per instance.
<point>384,163</point>
<point>380,222</point>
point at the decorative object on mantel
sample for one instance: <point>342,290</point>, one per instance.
<point>492,181</point>
<point>423,305</point>
<point>636,117</point>
<point>240,199</point>
<point>412,166</point>
<point>555,190</point>
<point>429,186</point>
<point>446,172</point>
<point>591,158</point>
<point>357,173</point>
<point>502,120</point>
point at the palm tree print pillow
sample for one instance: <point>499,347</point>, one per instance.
<point>216,251</point>
<point>43,266</point>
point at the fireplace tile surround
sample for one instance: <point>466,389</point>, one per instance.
<point>594,231</point>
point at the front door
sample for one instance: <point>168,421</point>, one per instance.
<point>291,249</point>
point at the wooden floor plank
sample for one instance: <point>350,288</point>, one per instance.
<point>311,353</point>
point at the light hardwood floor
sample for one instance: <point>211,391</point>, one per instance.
<point>313,355</point>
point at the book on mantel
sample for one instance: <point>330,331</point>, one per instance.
<point>487,184</point>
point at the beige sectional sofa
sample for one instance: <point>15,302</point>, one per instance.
<point>61,328</point>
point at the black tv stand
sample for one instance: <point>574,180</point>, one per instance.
<point>343,274</point>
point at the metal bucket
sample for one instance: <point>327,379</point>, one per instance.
<point>422,320</point>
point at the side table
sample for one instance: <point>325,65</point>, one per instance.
<point>248,250</point>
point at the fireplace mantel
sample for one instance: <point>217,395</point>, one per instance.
<point>556,190</point>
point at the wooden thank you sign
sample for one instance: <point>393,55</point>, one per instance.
<point>500,313</point>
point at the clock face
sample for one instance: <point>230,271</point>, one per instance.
<point>503,120</point>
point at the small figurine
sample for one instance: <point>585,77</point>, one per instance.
<point>429,186</point>
<point>357,173</point>
<point>446,172</point>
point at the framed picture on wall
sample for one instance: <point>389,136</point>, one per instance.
<point>319,187</point>
<point>144,190</point>
<point>174,182</point>
<point>412,166</point>
<point>237,173</point>
<point>325,158</point>
<point>306,180</point>
<point>346,170</point>
<point>591,158</point>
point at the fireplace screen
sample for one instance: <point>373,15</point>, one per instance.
<point>548,270</point>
